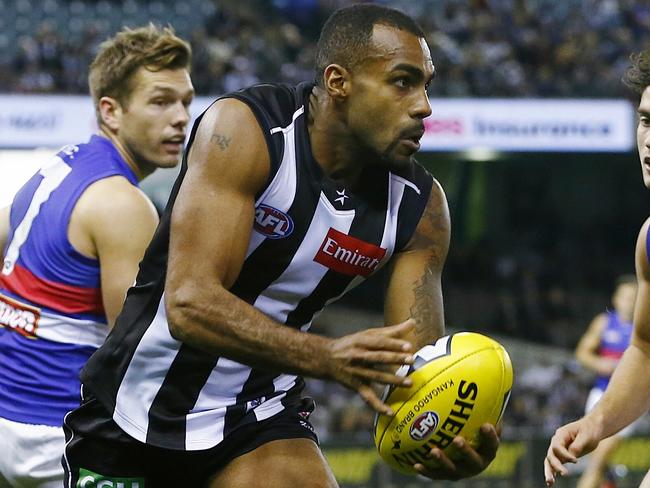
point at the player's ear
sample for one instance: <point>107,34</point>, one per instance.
<point>110,112</point>
<point>337,81</point>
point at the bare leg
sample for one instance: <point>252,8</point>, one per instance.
<point>286,463</point>
<point>593,475</point>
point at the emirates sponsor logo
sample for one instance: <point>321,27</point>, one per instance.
<point>18,316</point>
<point>348,255</point>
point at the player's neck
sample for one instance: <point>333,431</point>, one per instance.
<point>331,144</point>
<point>139,170</point>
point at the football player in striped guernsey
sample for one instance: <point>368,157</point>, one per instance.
<point>627,395</point>
<point>288,197</point>
<point>71,242</point>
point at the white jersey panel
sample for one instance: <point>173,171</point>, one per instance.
<point>205,423</point>
<point>282,190</point>
<point>145,375</point>
<point>303,274</point>
<point>53,174</point>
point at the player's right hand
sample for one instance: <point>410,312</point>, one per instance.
<point>568,444</point>
<point>365,358</point>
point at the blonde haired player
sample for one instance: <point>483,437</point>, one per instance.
<point>71,242</point>
<point>628,394</point>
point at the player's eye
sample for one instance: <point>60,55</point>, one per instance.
<point>403,82</point>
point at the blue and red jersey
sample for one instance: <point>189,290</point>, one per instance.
<point>51,313</point>
<point>614,340</point>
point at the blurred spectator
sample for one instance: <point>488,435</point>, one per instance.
<point>487,48</point>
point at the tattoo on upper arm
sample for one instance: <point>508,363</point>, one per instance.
<point>432,231</point>
<point>221,140</point>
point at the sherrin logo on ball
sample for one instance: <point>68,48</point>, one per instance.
<point>459,383</point>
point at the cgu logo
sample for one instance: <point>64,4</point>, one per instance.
<point>272,223</point>
<point>88,479</point>
<point>423,426</point>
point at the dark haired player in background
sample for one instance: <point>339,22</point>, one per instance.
<point>289,196</point>
<point>599,350</point>
<point>628,394</point>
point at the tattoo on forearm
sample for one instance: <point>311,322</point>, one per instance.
<point>423,310</point>
<point>222,141</point>
<point>432,237</point>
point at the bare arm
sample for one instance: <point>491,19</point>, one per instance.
<point>114,222</point>
<point>414,285</point>
<point>4,229</point>
<point>628,393</point>
<point>210,230</point>
<point>415,290</point>
<point>587,349</point>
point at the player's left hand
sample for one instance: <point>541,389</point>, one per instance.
<point>470,461</point>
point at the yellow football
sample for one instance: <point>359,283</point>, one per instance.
<point>460,382</point>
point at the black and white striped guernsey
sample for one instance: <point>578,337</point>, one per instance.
<point>312,241</point>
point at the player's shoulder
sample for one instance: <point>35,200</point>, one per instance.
<point>643,242</point>
<point>643,251</point>
<point>274,104</point>
<point>600,321</point>
<point>112,208</point>
<point>645,228</point>
<point>96,149</point>
<point>419,180</point>
<point>114,195</point>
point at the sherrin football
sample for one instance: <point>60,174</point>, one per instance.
<point>459,383</point>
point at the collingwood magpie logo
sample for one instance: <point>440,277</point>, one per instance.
<point>342,196</point>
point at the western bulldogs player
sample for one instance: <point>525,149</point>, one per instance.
<point>627,396</point>
<point>600,349</point>
<point>72,240</point>
<point>288,197</point>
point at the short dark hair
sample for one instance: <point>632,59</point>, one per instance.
<point>637,77</point>
<point>626,279</point>
<point>346,35</point>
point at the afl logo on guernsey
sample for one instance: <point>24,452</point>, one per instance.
<point>272,223</point>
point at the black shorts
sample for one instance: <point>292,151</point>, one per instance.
<point>97,449</point>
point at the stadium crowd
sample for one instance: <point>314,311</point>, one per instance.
<point>482,48</point>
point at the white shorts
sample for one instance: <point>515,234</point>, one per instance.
<point>594,395</point>
<point>30,455</point>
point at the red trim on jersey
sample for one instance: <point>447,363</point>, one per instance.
<point>611,353</point>
<point>57,296</point>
